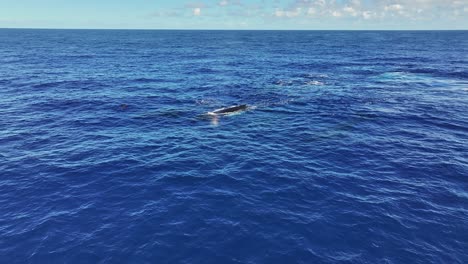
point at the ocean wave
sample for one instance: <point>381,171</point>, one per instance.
<point>353,149</point>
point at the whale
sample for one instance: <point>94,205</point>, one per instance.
<point>229,110</point>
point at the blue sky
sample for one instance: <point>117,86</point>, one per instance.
<point>235,14</point>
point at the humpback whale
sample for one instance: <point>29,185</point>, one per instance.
<point>229,110</point>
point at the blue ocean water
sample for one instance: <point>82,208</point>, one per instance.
<point>354,150</point>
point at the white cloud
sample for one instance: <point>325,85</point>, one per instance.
<point>224,3</point>
<point>288,13</point>
<point>368,15</point>
<point>336,13</point>
<point>311,11</point>
<point>379,8</point>
<point>319,3</point>
<point>321,10</point>
<point>351,11</point>
<point>394,7</point>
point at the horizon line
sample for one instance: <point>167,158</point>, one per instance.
<point>224,29</point>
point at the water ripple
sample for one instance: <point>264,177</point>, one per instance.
<point>353,148</point>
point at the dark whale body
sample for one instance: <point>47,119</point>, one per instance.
<point>229,110</point>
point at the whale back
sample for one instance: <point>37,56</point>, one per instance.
<point>231,109</point>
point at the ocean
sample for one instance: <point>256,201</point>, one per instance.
<point>354,147</point>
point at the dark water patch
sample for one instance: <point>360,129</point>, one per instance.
<point>69,84</point>
<point>460,74</point>
<point>207,71</point>
<point>69,104</point>
<point>148,80</point>
<point>387,59</point>
<point>80,56</point>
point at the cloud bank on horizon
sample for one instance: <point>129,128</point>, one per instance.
<point>243,14</point>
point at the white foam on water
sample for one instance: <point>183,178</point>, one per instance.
<point>314,83</point>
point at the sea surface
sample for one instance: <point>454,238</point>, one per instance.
<point>354,148</point>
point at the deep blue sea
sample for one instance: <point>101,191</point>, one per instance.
<point>354,148</point>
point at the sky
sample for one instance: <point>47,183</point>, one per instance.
<point>236,14</point>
